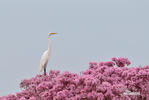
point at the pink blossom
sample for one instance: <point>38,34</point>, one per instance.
<point>101,81</point>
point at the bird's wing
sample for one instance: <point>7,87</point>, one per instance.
<point>44,60</point>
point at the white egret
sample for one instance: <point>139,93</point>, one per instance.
<point>46,54</point>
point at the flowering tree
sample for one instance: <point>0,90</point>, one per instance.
<point>111,80</point>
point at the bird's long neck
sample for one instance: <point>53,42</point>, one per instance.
<point>49,44</point>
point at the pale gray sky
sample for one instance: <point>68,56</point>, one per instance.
<point>89,30</point>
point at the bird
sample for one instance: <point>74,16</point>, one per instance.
<point>45,56</point>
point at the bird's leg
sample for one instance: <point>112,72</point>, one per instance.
<point>45,71</point>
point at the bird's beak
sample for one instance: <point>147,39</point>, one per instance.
<point>52,33</point>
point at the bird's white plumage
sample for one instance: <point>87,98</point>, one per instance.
<point>45,57</point>
<point>44,60</point>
